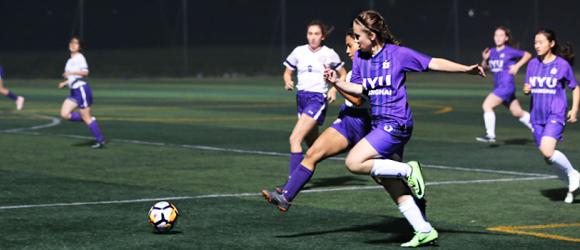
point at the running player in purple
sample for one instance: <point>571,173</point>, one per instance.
<point>504,61</point>
<point>352,125</point>
<point>547,77</point>
<point>381,66</point>
<point>309,62</point>
<point>81,96</point>
<point>19,100</point>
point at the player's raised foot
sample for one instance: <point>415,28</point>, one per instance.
<point>415,180</point>
<point>421,239</point>
<point>98,145</point>
<point>485,138</point>
<point>19,103</point>
<point>276,199</point>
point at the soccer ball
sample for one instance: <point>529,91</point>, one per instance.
<point>163,216</point>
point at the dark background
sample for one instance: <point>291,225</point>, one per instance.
<point>180,38</point>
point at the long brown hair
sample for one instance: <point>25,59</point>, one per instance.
<point>375,23</point>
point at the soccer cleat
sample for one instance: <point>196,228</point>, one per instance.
<point>19,103</point>
<point>98,145</point>
<point>485,138</point>
<point>276,199</point>
<point>415,180</point>
<point>569,198</point>
<point>421,239</point>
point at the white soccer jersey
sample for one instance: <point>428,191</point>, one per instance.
<point>310,67</point>
<point>74,64</point>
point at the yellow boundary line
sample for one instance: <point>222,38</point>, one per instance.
<point>520,230</point>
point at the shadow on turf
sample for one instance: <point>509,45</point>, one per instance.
<point>397,229</point>
<point>336,181</point>
<point>83,144</point>
<point>556,194</point>
<point>514,141</point>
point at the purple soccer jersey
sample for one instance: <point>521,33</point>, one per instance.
<point>500,62</point>
<point>1,73</point>
<point>548,90</point>
<point>383,78</point>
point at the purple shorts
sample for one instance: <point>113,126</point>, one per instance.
<point>507,95</point>
<point>551,129</point>
<point>312,104</point>
<point>352,123</point>
<point>389,139</point>
<point>82,96</point>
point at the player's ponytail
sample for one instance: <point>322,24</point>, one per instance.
<point>375,23</point>
<point>565,51</point>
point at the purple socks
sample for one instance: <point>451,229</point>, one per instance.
<point>75,117</point>
<point>295,159</point>
<point>94,126</point>
<point>12,96</point>
<point>298,178</point>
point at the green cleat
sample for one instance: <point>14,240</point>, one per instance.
<point>421,239</point>
<point>415,180</point>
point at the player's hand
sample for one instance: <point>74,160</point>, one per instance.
<point>485,53</point>
<point>62,84</point>
<point>289,85</point>
<point>475,70</point>
<point>572,116</point>
<point>513,70</point>
<point>330,76</point>
<point>527,89</point>
<point>331,95</point>
<point>65,74</point>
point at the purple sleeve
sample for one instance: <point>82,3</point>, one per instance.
<point>355,76</point>
<point>570,78</point>
<point>516,53</point>
<point>412,60</point>
<point>1,73</point>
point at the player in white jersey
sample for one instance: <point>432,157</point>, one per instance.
<point>81,96</point>
<point>309,61</point>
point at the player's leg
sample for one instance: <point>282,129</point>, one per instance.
<point>490,102</point>
<point>522,115</point>
<point>329,143</point>
<point>560,161</point>
<point>67,108</point>
<point>303,127</point>
<point>85,111</point>
<point>19,100</point>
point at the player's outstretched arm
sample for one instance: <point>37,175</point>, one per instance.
<point>444,65</point>
<point>349,90</point>
<point>572,114</point>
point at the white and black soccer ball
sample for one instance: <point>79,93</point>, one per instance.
<point>163,216</point>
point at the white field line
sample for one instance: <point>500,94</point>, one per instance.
<point>239,195</point>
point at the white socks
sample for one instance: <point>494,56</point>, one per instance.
<point>525,119</point>
<point>489,121</point>
<point>561,162</point>
<point>390,168</point>
<point>412,213</point>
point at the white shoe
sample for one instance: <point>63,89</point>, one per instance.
<point>19,103</point>
<point>573,181</point>
<point>569,198</point>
